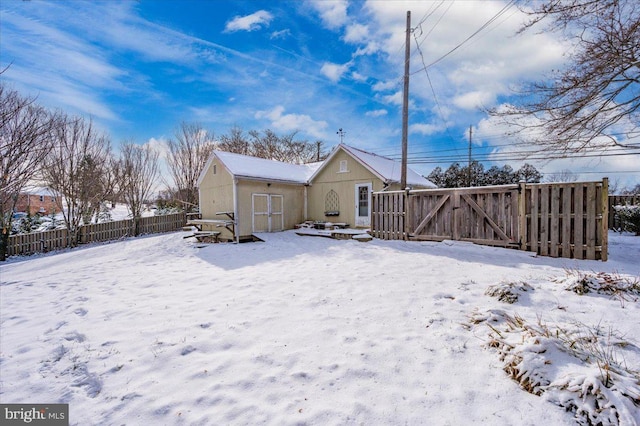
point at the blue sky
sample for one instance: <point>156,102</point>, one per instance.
<point>139,68</point>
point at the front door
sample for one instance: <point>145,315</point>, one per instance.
<point>267,212</point>
<point>363,204</point>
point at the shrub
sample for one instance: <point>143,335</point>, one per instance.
<point>580,368</point>
<point>628,218</point>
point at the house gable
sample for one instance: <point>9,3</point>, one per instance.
<point>332,195</point>
<point>215,187</point>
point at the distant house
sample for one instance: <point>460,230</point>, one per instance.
<point>39,200</point>
<point>265,196</point>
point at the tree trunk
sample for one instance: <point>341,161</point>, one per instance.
<point>4,245</point>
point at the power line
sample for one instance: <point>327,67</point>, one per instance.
<point>435,154</point>
<point>433,160</point>
<point>485,25</point>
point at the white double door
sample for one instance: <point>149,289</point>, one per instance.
<point>267,212</point>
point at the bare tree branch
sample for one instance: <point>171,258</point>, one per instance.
<point>78,168</point>
<point>138,171</point>
<point>24,143</point>
<point>594,102</point>
<point>188,154</point>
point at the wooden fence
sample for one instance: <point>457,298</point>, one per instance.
<point>38,242</point>
<point>551,219</point>
<point>620,200</point>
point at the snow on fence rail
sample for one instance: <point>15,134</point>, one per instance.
<point>552,219</point>
<point>38,242</point>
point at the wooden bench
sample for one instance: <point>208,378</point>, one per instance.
<point>206,236</point>
<point>198,223</point>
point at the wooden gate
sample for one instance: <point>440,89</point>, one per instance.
<point>487,216</point>
<point>552,219</point>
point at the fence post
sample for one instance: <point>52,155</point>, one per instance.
<point>406,214</point>
<point>455,217</point>
<point>604,208</point>
<point>522,214</point>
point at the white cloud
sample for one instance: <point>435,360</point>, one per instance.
<point>358,77</point>
<point>394,99</point>
<point>158,145</point>
<point>334,72</point>
<point>282,34</point>
<point>474,100</point>
<point>356,33</point>
<point>332,12</point>
<point>376,113</point>
<point>385,85</point>
<point>293,122</point>
<point>480,70</point>
<point>426,128</point>
<point>252,22</point>
<point>369,49</point>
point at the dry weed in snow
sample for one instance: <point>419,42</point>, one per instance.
<point>508,292</point>
<point>582,283</point>
<point>579,368</point>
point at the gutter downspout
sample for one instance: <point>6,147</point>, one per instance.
<point>306,215</point>
<point>235,210</point>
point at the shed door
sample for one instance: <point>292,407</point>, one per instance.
<point>363,204</point>
<point>267,212</point>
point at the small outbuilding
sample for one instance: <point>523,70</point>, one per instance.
<point>340,189</point>
<point>241,195</point>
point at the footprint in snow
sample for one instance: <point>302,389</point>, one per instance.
<point>187,350</point>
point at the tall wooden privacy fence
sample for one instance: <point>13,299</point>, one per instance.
<point>551,219</point>
<point>37,242</point>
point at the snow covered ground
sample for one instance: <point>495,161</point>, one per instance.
<point>307,330</point>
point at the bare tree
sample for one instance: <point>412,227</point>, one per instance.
<point>565,175</point>
<point>24,127</point>
<point>138,172</point>
<point>235,142</point>
<point>76,167</point>
<point>595,101</point>
<point>188,154</point>
<point>281,148</point>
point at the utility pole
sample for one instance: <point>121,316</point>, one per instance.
<point>318,156</point>
<point>405,103</point>
<point>469,166</point>
<point>341,133</point>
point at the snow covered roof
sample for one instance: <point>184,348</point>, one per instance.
<point>245,166</point>
<point>248,167</point>
<point>40,190</point>
<point>388,170</point>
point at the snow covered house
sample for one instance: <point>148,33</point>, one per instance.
<point>240,195</point>
<point>39,200</point>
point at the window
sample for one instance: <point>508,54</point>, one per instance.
<point>214,169</point>
<point>363,201</point>
<point>42,198</point>
<point>343,166</point>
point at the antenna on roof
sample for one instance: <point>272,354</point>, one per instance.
<point>341,133</point>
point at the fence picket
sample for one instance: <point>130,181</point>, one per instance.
<point>38,242</point>
<point>578,233</point>
<point>551,219</point>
